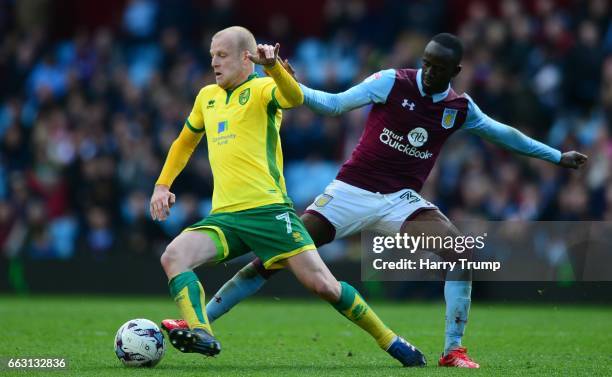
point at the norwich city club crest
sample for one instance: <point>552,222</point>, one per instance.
<point>244,96</point>
<point>448,118</point>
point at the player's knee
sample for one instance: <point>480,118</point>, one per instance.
<point>169,259</point>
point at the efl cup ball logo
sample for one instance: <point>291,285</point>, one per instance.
<point>417,137</point>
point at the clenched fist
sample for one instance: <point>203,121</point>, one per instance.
<point>573,160</point>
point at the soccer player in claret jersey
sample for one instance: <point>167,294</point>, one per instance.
<point>414,112</point>
<point>240,116</point>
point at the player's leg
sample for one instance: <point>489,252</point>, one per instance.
<point>407,212</point>
<point>182,255</point>
<point>311,271</point>
<point>278,236</point>
<point>186,252</point>
<point>457,287</point>
<point>253,276</point>
<point>320,229</point>
<point>246,282</point>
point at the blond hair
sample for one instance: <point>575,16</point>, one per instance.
<point>243,37</point>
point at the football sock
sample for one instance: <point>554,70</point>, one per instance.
<point>188,294</point>
<point>354,307</point>
<point>458,298</point>
<point>245,283</point>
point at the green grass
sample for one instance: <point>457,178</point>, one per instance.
<point>308,338</point>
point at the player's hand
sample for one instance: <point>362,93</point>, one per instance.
<point>161,202</point>
<point>266,55</point>
<point>288,67</point>
<point>573,160</point>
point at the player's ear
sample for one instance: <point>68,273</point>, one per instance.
<point>457,70</point>
<point>245,56</point>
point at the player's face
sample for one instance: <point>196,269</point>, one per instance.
<point>439,67</point>
<point>227,61</point>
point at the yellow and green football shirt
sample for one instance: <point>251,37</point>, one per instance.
<point>242,133</point>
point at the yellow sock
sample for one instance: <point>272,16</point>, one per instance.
<point>188,294</point>
<point>354,307</point>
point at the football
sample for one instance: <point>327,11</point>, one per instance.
<point>139,343</point>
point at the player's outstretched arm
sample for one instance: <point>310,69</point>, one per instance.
<point>510,138</point>
<point>180,151</point>
<point>374,89</point>
<point>514,140</point>
<point>288,93</point>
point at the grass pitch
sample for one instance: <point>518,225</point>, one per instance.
<point>308,338</point>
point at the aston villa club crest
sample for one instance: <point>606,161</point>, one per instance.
<point>244,96</point>
<point>323,199</point>
<point>448,118</point>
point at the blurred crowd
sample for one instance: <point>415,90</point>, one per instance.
<point>86,120</point>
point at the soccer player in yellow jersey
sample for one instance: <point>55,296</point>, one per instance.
<point>240,116</point>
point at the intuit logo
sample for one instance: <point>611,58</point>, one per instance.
<point>416,137</point>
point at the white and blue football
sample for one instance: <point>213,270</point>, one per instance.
<point>139,343</point>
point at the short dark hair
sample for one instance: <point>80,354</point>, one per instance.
<point>451,42</point>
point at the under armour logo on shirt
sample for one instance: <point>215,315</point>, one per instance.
<point>408,104</point>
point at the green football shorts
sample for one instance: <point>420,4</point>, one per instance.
<point>273,232</point>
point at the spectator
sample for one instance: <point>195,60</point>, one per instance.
<point>86,120</point>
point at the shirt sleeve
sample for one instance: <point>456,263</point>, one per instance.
<point>480,124</point>
<point>374,89</point>
<point>182,148</point>
<point>195,120</point>
<point>284,90</point>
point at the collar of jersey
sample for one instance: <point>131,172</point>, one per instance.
<point>251,77</point>
<point>436,97</point>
